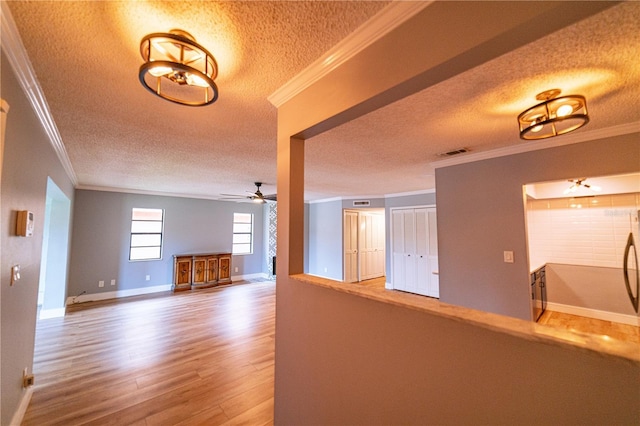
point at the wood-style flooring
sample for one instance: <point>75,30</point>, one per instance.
<point>623,332</point>
<point>194,358</point>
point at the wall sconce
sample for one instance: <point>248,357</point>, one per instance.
<point>178,69</point>
<point>554,116</point>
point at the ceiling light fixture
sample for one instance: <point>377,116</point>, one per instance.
<point>178,69</point>
<point>576,183</point>
<point>554,116</point>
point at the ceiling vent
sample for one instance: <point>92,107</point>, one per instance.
<point>361,203</point>
<point>453,152</point>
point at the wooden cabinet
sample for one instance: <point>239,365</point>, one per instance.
<point>181,273</point>
<point>224,274</point>
<point>201,270</point>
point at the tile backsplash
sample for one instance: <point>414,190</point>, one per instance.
<point>589,231</point>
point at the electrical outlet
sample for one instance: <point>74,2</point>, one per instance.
<point>147,278</point>
<point>113,282</point>
<point>508,257</point>
<point>100,283</point>
<point>27,379</point>
<point>235,269</point>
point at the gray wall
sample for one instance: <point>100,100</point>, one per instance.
<point>590,287</point>
<point>481,213</point>
<point>28,161</point>
<point>325,231</point>
<point>325,239</point>
<point>101,233</point>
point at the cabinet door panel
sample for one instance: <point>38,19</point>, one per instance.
<point>183,271</point>
<point>199,270</point>
<point>212,269</point>
<point>224,269</point>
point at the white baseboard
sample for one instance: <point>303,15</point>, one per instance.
<point>118,293</point>
<point>52,313</point>
<point>594,313</point>
<point>388,286</point>
<point>259,275</point>
<point>18,416</point>
<point>143,290</point>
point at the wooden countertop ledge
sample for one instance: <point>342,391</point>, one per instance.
<point>602,345</point>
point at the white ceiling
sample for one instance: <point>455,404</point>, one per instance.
<point>119,136</point>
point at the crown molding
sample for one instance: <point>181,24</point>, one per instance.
<point>408,194</point>
<point>21,65</point>
<point>149,192</point>
<point>569,139</point>
<point>375,28</point>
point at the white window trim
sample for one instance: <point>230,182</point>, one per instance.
<point>161,233</point>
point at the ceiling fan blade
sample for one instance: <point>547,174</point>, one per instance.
<point>271,197</point>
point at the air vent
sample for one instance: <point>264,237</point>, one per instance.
<point>453,152</point>
<point>361,203</point>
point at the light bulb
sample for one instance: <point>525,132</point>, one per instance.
<point>564,110</point>
<point>159,71</point>
<point>536,129</point>
<point>196,80</point>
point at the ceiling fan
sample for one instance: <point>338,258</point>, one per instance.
<point>577,183</point>
<point>257,196</point>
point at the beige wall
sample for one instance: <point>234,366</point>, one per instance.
<point>343,359</point>
<point>28,160</point>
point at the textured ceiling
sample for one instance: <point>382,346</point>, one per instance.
<point>86,57</point>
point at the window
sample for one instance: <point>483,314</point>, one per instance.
<point>242,233</point>
<point>146,234</point>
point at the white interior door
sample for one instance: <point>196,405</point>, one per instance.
<point>414,243</point>
<point>404,249</point>
<point>350,239</point>
<point>378,242</point>
<point>397,250</point>
<point>434,278</point>
<point>371,245</point>
<point>422,252</point>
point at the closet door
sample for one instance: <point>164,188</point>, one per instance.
<point>422,252</point>
<point>350,247</point>
<point>371,245</point>
<point>378,242</point>
<point>404,248</point>
<point>434,281</point>
<point>415,251</point>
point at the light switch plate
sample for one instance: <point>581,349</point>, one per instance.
<point>15,274</point>
<point>508,257</point>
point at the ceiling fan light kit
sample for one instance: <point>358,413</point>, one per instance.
<point>178,69</point>
<point>554,116</point>
<point>577,183</point>
<point>256,196</point>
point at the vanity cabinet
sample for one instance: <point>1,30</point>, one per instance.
<point>202,270</point>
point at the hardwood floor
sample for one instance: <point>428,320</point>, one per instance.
<point>193,358</point>
<point>202,357</point>
<point>624,332</point>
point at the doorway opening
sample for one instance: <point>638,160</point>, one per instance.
<point>363,244</point>
<point>55,253</point>
<point>577,235</point>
